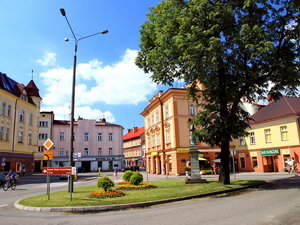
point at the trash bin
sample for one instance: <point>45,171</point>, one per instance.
<point>284,170</point>
<point>76,176</point>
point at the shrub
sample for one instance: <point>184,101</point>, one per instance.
<point>105,182</point>
<point>136,178</point>
<point>126,176</point>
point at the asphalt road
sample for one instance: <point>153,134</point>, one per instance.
<point>278,202</point>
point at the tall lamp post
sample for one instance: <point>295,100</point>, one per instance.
<point>71,161</point>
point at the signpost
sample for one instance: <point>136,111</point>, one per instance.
<point>233,153</point>
<point>48,144</point>
<point>57,171</point>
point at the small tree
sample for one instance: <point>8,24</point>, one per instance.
<point>105,182</point>
<point>126,176</point>
<point>136,178</point>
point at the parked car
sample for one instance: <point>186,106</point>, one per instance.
<point>3,175</point>
<point>63,177</point>
<point>132,168</point>
<point>79,169</point>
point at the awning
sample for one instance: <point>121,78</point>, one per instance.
<point>202,159</point>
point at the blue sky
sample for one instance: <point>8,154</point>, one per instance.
<point>108,82</point>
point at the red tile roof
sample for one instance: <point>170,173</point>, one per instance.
<point>134,133</point>
<point>285,107</point>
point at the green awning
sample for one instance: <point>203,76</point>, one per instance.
<point>202,159</point>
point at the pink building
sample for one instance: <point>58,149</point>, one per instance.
<point>96,144</point>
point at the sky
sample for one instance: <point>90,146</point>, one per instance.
<point>108,83</point>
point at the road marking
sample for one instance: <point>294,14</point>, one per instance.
<point>3,205</point>
<point>53,185</point>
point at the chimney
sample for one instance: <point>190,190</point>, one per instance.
<point>129,130</point>
<point>135,129</point>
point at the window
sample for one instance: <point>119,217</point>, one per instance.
<point>61,136</point>
<point>152,119</point>
<point>110,136</point>
<point>99,151</point>
<point>7,134</point>
<point>110,151</point>
<point>1,133</point>
<point>29,139</point>
<point>268,135</point>
<point>192,109</point>
<point>168,139</point>
<point>86,136</point>
<point>148,123</point>
<point>153,140</point>
<point>149,142</point>
<point>21,116</point>
<point>166,112</point>
<point>30,119</point>
<point>3,109</point>
<point>284,133</point>
<point>252,138</point>
<point>61,152</point>
<point>86,152</point>
<point>157,117</point>
<point>23,97</point>
<point>20,137</point>
<point>41,148</point>
<point>241,141</point>
<point>158,139</point>
<point>43,136</point>
<point>99,136</point>
<point>254,162</point>
<point>43,123</point>
<point>8,110</point>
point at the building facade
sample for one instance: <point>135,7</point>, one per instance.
<point>96,144</point>
<point>273,138</point>
<point>45,131</point>
<point>134,147</point>
<point>20,109</point>
<point>167,134</point>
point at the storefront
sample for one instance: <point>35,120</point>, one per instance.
<point>16,162</point>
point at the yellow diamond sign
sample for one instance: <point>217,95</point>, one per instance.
<point>48,144</point>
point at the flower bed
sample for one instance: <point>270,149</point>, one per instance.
<point>108,194</point>
<point>142,186</point>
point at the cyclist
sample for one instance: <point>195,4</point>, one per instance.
<point>10,177</point>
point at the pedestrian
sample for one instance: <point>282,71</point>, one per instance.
<point>294,166</point>
<point>215,168</point>
<point>99,170</point>
<point>116,172</point>
<point>24,171</point>
<point>289,162</point>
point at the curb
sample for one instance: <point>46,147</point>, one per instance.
<point>127,206</point>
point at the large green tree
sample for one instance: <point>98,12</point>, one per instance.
<point>236,48</point>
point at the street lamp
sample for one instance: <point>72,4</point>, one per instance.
<point>71,161</point>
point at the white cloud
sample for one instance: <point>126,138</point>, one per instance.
<point>49,59</point>
<point>121,83</point>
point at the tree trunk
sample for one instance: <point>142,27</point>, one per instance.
<point>224,176</point>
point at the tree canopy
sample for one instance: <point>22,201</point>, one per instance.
<point>235,48</point>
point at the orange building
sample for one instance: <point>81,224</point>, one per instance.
<point>167,140</point>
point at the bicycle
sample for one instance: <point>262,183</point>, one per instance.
<point>9,184</point>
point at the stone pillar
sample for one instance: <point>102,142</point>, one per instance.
<point>195,170</point>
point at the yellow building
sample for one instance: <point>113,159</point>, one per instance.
<point>20,107</point>
<point>167,133</point>
<point>274,137</point>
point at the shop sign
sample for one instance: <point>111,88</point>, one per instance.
<point>154,153</point>
<point>183,150</point>
<point>270,152</point>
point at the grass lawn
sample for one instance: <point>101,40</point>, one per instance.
<point>166,189</point>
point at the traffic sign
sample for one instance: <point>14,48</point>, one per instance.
<point>48,144</point>
<point>59,170</point>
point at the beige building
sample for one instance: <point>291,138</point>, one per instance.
<point>167,133</point>
<point>20,109</point>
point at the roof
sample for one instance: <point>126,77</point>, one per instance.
<point>134,133</point>
<point>282,108</point>
<point>15,88</point>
